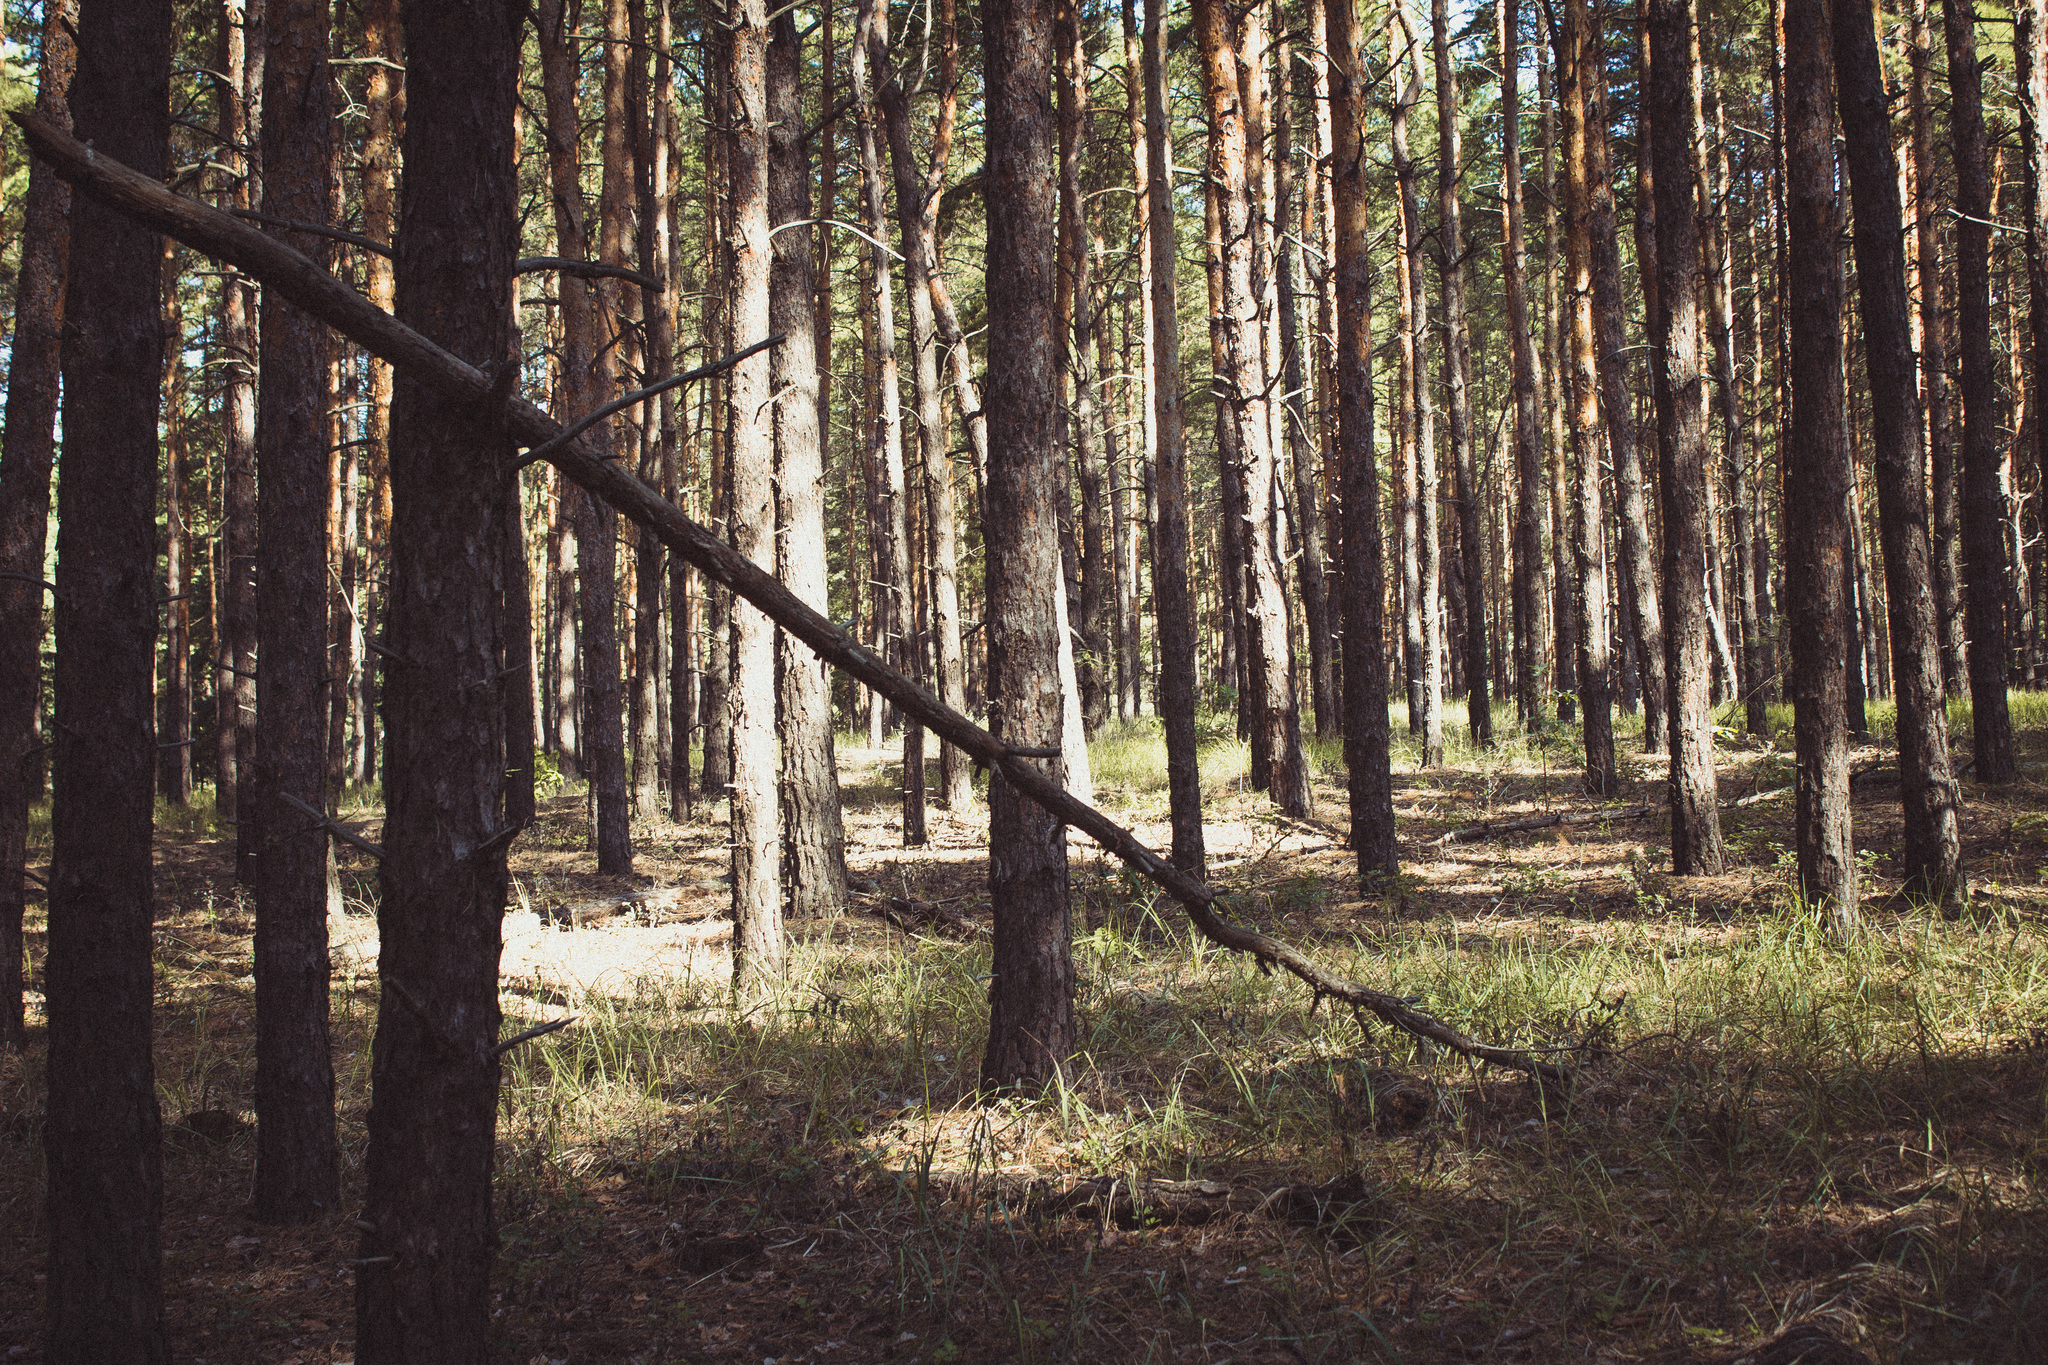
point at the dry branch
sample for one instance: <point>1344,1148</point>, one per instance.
<point>1581,817</point>
<point>298,279</point>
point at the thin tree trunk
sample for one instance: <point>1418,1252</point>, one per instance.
<point>1457,364</point>
<point>235,649</point>
<point>26,458</point>
<point>174,770</point>
<point>814,837</point>
<point>2032,73</point>
<point>1140,377</point>
<point>384,95</point>
<point>1816,470</point>
<point>1172,598</point>
<point>101,1132</point>
<point>1638,543</point>
<point>1527,379</point>
<point>1934,375</point>
<point>1985,567</point>
<point>1695,819</point>
<point>1412,300</point>
<point>656,363</point>
<point>760,954</point>
<point>1367,744</point>
<point>1032,1027</point>
<point>1565,599</point>
<point>297,1163</point>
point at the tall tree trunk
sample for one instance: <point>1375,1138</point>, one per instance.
<point>1412,298</point>
<point>1932,855</point>
<point>2033,102</point>
<point>640,231</point>
<point>297,1162</point>
<point>174,768</point>
<point>658,258</point>
<point>1032,1027</point>
<point>1816,473</point>
<point>1985,568</point>
<point>1457,364</point>
<point>1527,380</point>
<point>1139,377</point>
<point>1638,543</point>
<point>1564,603</point>
<point>423,1283</point>
<point>1367,745</point>
<point>101,1131</point>
<point>1934,377</point>
<point>1588,198</point>
<point>235,649</point>
<point>760,954</point>
<point>813,835</point>
<point>1172,598</point>
<point>1240,374</point>
<point>1682,423</point>
<point>27,454</point>
<point>384,96</point>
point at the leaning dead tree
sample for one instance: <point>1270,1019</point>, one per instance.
<point>491,396</point>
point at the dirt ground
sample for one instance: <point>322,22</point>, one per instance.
<point>1466,1220</point>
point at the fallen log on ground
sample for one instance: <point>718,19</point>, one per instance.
<point>1577,817</point>
<point>493,398</point>
<point>915,916</point>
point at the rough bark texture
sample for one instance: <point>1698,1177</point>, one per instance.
<point>813,835</point>
<point>104,1297</point>
<point>759,950</point>
<point>1172,599</point>
<point>1240,378</point>
<point>1367,744</point>
<point>1457,366</point>
<point>235,643</point>
<point>1932,855</point>
<point>297,1163</point>
<point>1985,566</point>
<point>25,463</point>
<point>1816,473</point>
<point>1527,379</point>
<point>1422,633</point>
<point>1032,1028</point>
<point>423,1281</point>
<point>1638,543</point>
<point>1682,430</point>
<point>1092,657</point>
<point>2032,62</point>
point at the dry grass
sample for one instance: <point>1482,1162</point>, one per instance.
<point>1768,1129</point>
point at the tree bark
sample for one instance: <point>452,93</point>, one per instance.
<point>26,458</point>
<point>235,683</point>
<point>2032,73</point>
<point>1457,365</point>
<point>1172,598</point>
<point>174,769</point>
<point>384,94</point>
<point>1932,855</point>
<point>813,834</point>
<point>1527,381</point>
<point>1682,428</point>
<point>1367,744</point>
<point>1032,1028</point>
<point>101,1134</point>
<point>1816,472</point>
<point>1638,542</point>
<point>297,1160</point>
<point>1985,568</point>
<point>1412,298</point>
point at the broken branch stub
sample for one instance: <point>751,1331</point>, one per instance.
<point>299,280</point>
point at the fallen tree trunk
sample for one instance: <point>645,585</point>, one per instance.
<point>1578,817</point>
<point>494,399</point>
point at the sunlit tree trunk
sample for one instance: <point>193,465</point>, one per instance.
<point>1527,379</point>
<point>235,642</point>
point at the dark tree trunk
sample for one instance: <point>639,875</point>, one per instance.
<point>1457,364</point>
<point>1367,744</point>
<point>1932,856</point>
<point>814,838</point>
<point>1416,478</point>
<point>297,1162</point>
<point>1985,568</point>
<point>659,307</point>
<point>516,665</point>
<point>1527,379</point>
<point>174,751</point>
<point>2033,101</point>
<point>1638,543</point>
<point>26,458</point>
<point>1816,472</point>
<point>1032,1027</point>
<point>759,950</point>
<point>101,1134</point>
<point>1172,599</point>
<point>423,1283</point>
<point>1682,423</point>
<point>235,647</point>
<point>384,93</point>
<point>1588,197</point>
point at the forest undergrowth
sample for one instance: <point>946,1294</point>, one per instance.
<point>1765,1130</point>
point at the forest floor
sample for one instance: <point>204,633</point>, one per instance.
<point>1767,1131</point>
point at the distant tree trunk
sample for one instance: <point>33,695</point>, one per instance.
<point>661,308</point>
<point>1934,323</point>
<point>640,240</point>
<point>1646,616</point>
<point>1172,597</point>
<point>1367,745</point>
<point>562,574</point>
<point>384,95</point>
<point>1139,379</point>
<point>297,1162</point>
<point>101,1130</point>
<point>423,1280</point>
<point>1932,854</point>
<point>1240,374</point>
<point>1816,470</point>
<point>1527,378</point>
<point>26,458</point>
<point>1588,198</point>
<point>717,634</point>
<point>1984,560</point>
<point>516,664</point>
<point>1564,602</point>
<point>1032,1028</point>
<point>813,835</point>
<point>235,649</point>
<point>760,954</point>
<point>1412,300</point>
<point>1457,364</point>
<point>2033,102</point>
<point>174,768</point>
<point>1695,816</point>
